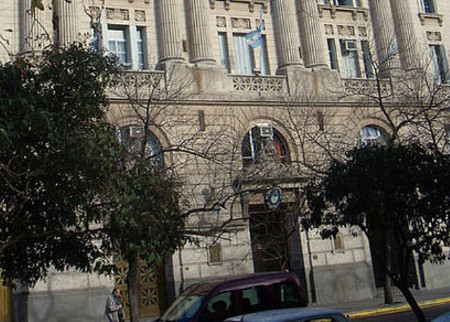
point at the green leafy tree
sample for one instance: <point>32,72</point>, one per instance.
<point>146,222</point>
<point>400,194</point>
<point>57,152</point>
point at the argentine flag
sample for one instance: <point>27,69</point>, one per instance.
<point>254,38</point>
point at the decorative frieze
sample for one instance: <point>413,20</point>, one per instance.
<point>251,4</point>
<point>329,29</point>
<point>362,32</point>
<point>221,22</point>
<point>117,14</point>
<point>241,23</point>
<point>434,36</point>
<point>346,31</point>
<point>139,16</point>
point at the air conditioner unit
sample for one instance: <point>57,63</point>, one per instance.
<point>265,130</point>
<point>135,132</point>
<point>350,45</point>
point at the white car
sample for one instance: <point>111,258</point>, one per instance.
<point>302,314</point>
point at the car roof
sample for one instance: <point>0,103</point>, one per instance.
<point>281,315</point>
<point>237,282</point>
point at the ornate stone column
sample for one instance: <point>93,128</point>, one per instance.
<point>32,37</point>
<point>66,13</point>
<point>199,31</point>
<point>170,44</point>
<point>286,33</point>
<point>312,35</point>
<point>408,45</point>
<point>384,35</point>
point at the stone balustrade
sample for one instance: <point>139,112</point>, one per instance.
<point>264,85</point>
<point>366,87</point>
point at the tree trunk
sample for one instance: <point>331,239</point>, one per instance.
<point>412,302</point>
<point>133,289</point>
<point>388,296</point>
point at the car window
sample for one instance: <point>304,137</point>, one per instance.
<point>219,307</point>
<point>255,299</point>
<point>286,295</point>
<point>183,308</point>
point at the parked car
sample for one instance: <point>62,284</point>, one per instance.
<point>304,314</point>
<point>226,297</point>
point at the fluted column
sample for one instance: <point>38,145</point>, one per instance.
<point>407,41</point>
<point>170,45</point>
<point>67,21</point>
<point>286,33</point>
<point>33,37</point>
<point>199,32</point>
<point>384,34</point>
<point>312,35</point>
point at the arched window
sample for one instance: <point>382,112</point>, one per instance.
<point>264,142</point>
<point>132,137</point>
<point>371,135</point>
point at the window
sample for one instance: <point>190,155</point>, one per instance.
<point>223,47</point>
<point>332,53</point>
<point>338,243</point>
<point>350,3</point>
<point>133,136</point>
<point>427,6</point>
<point>118,44</point>
<point>215,254</point>
<point>439,63</point>
<point>367,59</point>
<point>246,62</point>
<point>263,142</point>
<point>140,48</point>
<point>349,59</point>
<point>370,136</point>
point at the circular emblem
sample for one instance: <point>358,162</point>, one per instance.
<point>273,197</point>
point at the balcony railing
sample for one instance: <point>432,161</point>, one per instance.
<point>130,80</point>
<point>366,87</point>
<point>275,85</point>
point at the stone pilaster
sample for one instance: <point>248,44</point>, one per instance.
<point>384,35</point>
<point>66,13</point>
<point>407,42</point>
<point>170,44</point>
<point>312,35</point>
<point>286,33</point>
<point>199,31</point>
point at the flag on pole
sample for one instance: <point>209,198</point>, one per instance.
<point>254,38</point>
<point>392,49</point>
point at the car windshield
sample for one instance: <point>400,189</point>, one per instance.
<point>183,308</point>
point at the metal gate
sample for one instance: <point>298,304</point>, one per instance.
<point>5,303</point>
<point>148,289</point>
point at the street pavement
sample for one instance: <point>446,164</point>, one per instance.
<point>375,306</point>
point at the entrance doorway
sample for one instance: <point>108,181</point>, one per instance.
<point>275,239</point>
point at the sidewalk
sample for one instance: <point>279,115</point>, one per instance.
<point>374,306</point>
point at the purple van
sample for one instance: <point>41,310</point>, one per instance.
<point>220,299</point>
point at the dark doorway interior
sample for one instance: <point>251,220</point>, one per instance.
<point>269,239</point>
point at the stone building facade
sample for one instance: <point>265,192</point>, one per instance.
<point>254,112</point>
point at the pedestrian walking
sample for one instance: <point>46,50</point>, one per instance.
<point>114,309</point>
